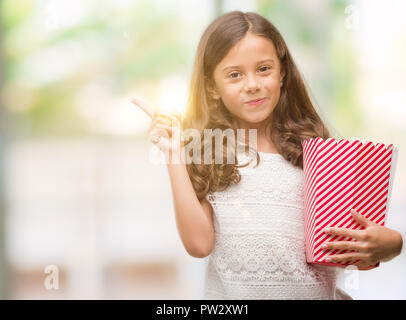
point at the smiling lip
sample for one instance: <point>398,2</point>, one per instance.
<point>256,102</point>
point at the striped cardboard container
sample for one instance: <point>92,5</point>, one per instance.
<point>341,175</point>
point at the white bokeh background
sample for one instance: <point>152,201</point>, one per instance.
<point>98,209</point>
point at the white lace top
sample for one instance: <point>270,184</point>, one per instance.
<point>259,248</point>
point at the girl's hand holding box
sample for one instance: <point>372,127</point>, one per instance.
<point>375,243</point>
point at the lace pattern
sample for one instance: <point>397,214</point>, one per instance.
<point>259,248</point>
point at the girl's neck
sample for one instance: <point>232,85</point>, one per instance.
<point>266,145</point>
<point>264,141</point>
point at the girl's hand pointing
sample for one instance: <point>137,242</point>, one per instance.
<point>164,131</point>
<point>374,243</point>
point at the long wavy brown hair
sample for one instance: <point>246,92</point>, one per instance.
<point>294,118</point>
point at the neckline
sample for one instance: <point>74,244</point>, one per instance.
<point>270,154</point>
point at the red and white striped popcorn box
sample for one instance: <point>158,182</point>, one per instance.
<point>341,175</point>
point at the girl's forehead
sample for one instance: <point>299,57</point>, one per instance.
<point>250,49</point>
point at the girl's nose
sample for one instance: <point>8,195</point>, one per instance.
<point>251,84</point>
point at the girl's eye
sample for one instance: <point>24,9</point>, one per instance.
<point>264,68</point>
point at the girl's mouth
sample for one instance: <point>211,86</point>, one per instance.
<point>256,102</point>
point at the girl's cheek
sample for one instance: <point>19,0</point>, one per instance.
<point>272,83</point>
<point>274,77</point>
<point>229,88</point>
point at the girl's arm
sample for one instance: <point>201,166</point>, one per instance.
<point>193,218</point>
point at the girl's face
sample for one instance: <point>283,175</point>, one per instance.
<point>251,70</point>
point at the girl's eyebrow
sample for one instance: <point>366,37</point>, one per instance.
<point>259,62</point>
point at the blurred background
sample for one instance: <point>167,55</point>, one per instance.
<point>84,213</point>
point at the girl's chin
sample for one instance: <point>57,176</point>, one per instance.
<point>253,122</point>
<point>256,118</point>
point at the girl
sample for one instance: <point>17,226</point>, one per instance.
<point>250,219</point>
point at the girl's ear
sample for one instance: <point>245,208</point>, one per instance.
<point>282,76</point>
<point>212,90</point>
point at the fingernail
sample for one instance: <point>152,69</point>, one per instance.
<point>324,246</point>
<point>353,211</point>
<point>326,230</point>
<point>328,260</point>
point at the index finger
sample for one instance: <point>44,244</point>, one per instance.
<point>143,106</point>
<point>343,232</point>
